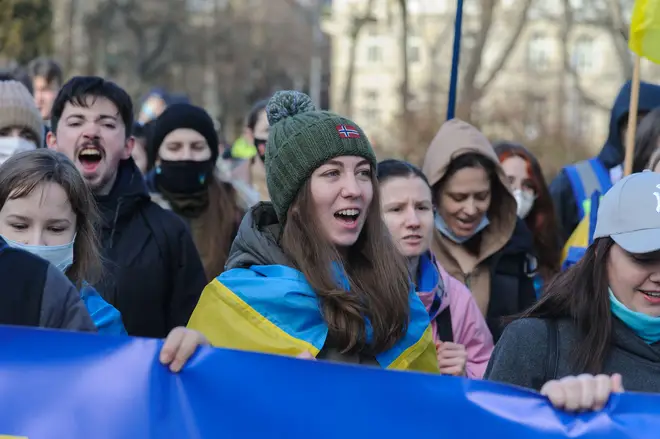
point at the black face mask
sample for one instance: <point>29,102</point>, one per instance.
<point>260,144</point>
<point>183,177</point>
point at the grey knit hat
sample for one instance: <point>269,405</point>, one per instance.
<point>17,109</point>
<point>301,139</point>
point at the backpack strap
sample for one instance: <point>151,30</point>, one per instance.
<point>445,329</point>
<point>585,178</point>
<point>602,174</point>
<point>593,215</point>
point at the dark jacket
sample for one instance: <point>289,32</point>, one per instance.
<point>512,279</point>
<point>35,293</point>
<point>153,274</point>
<point>611,156</point>
<point>521,356</point>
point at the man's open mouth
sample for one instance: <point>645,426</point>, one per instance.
<point>90,158</point>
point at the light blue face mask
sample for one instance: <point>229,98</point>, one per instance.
<point>646,327</point>
<point>442,226</point>
<point>61,256</point>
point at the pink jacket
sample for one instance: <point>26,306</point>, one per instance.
<point>468,324</point>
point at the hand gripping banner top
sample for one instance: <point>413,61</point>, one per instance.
<point>61,385</point>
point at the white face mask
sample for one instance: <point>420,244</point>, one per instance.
<point>525,201</point>
<point>13,145</point>
<point>61,256</point>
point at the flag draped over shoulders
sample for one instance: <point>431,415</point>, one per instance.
<point>272,309</point>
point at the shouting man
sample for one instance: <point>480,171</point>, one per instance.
<point>154,275</point>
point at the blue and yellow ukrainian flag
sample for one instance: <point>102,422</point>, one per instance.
<point>272,309</point>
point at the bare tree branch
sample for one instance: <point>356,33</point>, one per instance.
<point>475,61</point>
<point>405,81</point>
<point>569,23</point>
<point>619,34</point>
<point>508,49</point>
<point>358,24</point>
<point>148,63</point>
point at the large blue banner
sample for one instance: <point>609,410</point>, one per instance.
<point>57,385</point>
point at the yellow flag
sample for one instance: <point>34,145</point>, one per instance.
<point>645,30</point>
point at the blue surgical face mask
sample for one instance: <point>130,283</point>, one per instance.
<point>61,256</point>
<point>442,226</point>
<point>645,326</point>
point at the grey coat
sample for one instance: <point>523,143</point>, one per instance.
<point>520,356</point>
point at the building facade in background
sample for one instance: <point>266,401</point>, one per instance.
<point>559,78</point>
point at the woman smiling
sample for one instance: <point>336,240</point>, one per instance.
<point>600,317</point>
<point>479,240</point>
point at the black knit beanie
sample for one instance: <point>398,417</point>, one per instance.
<point>178,116</point>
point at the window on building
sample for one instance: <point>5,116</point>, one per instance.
<point>539,50</point>
<point>536,115</point>
<point>583,56</point>
<point>580,117</point>
<point>414,55</point>
<point>374,54</point>
<point>371,108</point>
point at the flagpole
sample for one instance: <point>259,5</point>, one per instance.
<point>632,118</point>
<point>453,80</point>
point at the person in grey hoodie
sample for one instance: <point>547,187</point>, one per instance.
<point>602,316</point>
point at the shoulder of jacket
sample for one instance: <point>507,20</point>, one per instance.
<point>157,216</point>
<point>160,200</point>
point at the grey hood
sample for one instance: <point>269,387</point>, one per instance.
<point>257,240</point>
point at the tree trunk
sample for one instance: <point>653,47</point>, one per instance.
<point>405,80</point>
<point>471,91</point>
<point>358,24</point>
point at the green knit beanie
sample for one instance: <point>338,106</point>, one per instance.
<point>301,139</point>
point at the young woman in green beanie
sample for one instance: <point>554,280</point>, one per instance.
<point>314,272</point>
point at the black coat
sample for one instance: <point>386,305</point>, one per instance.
<point>153,273</point>
<point>511,283</point>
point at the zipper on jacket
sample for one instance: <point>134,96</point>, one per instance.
<point>468,278</point>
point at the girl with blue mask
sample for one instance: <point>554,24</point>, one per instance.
<point>600,317</point>
<point>47,209</point>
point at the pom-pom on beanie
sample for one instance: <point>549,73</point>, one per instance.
<point>300,140</point>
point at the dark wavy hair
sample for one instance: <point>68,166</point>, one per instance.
<point>646,142</point>
<point>541,220</point>
<point>581,294</point>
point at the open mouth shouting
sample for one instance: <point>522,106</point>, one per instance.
<point>348,217</point>
<point>90,156</point>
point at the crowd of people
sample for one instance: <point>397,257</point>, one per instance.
<point>296,240</point>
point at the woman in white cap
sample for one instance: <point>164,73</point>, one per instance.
<point>598,325</point>
<point>21,126</point>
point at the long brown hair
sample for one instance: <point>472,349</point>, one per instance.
<point>541,220</point>
<point>376,271</point>
<point>217,227</point>
<point>24,172</point>
<point>581,294</point>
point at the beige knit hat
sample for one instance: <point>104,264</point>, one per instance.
<point>17,109</point>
